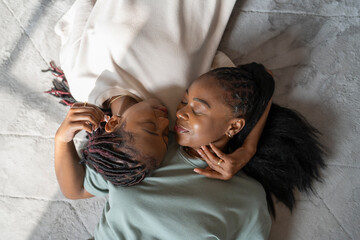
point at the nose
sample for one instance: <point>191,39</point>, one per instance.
<point>182,113</point>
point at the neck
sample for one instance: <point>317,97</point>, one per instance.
<point>220,143</point>
<point>120,105</point>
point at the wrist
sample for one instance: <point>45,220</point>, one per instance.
<point>61,141</point>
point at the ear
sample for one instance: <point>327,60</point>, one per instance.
<point>235,126</point>
<point>113,123</point>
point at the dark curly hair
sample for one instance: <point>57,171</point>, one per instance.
<point>289,154</point>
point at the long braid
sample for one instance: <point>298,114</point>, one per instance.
<point>289,154</point>
<point>117,166</point>
<point>60,87</point>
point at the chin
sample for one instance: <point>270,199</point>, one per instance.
<point>178,139</point>
<point>181,140</point>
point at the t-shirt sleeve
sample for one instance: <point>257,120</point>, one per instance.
<point>94,183</point>
<point>254,217</point>
<point>260,229</point>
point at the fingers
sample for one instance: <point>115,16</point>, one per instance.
<point>68,129</point>
<point>90,112</point>
<point>84,116</point>
<point>209,172</point>
<point>81,125</point>
<point>220,166</point>
<point>215,174</point>
<point>88,119</point>
<point>79,117</point>
<point>209,157</point>
<point>217,151</point>
<point>82,106</point>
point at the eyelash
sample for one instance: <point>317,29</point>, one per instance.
<point>196,113</point>
<point>153,124</point>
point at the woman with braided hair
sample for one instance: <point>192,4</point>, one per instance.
<point>174,194</point>
<point>117,53</point>
<point>112,149</point>
<point>214,117</point>
<point>175,202</point>
<point>221,108</point>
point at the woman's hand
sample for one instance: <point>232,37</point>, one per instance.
<point>69,172</point>
<point>79,117</point>
<point>223,166</point>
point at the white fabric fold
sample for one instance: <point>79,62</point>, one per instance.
<point>139,47</point>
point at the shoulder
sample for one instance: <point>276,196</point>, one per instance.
<point>255,217</point>
<point>250,186</point>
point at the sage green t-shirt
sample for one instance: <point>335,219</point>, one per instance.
<point>177,203</point>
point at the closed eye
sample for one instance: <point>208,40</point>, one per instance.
<point>192,109</point>
<point>196,113</point>
<point>150,132</point>
<point>153,125</point>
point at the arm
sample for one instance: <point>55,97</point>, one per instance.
<point>251,141</point>
<point>70,174</point>
<point>238,159</point>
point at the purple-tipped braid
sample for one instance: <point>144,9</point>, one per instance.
<point>60,87</point>
<point>111,155</point>
<point>119,166</point>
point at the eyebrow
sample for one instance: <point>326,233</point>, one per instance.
<point>202,101</point>
<point>198,99</point>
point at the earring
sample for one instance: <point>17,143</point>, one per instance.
<point>229,135</point>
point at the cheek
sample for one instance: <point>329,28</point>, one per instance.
<point>207,126</point>
<point>206,131</point>
<point>203,131</point>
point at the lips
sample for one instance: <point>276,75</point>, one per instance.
<point>180,129</point>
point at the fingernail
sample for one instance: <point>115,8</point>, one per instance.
<point>106,118</point>
<point>195,170</point>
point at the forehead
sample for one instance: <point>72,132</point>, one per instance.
<point>205,80</point>
<point>208,88</point>
<point>143,106</point>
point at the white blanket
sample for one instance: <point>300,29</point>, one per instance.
<point>139,47</point>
